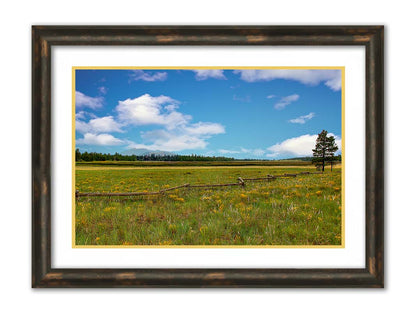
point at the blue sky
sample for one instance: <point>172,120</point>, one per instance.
<point>262,114</point>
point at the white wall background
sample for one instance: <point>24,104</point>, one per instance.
<point>16,19</point>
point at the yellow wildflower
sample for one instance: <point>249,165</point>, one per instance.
<point>203,229</point>
<point>172,228</point>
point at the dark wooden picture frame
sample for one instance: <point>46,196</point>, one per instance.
<point>44,37</point>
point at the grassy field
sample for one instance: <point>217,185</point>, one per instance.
<point>303,210</point>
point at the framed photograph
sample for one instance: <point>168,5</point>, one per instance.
<point>207,156</point>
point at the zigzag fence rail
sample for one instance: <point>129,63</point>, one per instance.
<point>241,182</point>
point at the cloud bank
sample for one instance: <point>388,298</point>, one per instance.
<point>211,73</point>
<point>331,78</point>
<point>298,146</point>
<point>136,75</point>
<point>177,133</point>
<point>103,139</point>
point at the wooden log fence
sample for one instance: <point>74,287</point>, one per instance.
<point>241,182</point>
<point>215,185</point>
<point>174,188</point>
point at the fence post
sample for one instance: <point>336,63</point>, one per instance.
<point>240,179</point>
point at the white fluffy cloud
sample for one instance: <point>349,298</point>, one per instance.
<point>84,115</point>
<point>184,137</point>
<point>331,78</point>
<point>149,110</point>
<point>146,76</point>
<point>178,133</point>
<point>170,142</point>
<point>204,128</point>
<point>298,146</point>
<point>302,119</point>
<point>209,73</point>
<point>98,125</point>
<point>99,139</point>
<point>105,124</point>
<point>82,100</point>
<point>285,101</point>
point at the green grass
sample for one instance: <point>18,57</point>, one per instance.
<point>305,210</point>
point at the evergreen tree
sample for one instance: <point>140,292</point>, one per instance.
<point>77,155</point>
<point>324,150</point>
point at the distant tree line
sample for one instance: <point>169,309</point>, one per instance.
<point>93,156</point>
<point>334,158</point>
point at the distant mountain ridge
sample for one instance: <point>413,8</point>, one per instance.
<point>145,152</point>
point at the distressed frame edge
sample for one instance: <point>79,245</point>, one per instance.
<point>42,273</point>
<point>41,147</point>
<point>375,156</point>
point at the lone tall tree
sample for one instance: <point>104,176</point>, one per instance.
<point>324,150</point>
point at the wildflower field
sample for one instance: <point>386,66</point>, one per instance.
<point>302,210</point>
